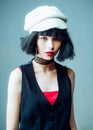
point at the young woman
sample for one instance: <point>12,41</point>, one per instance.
<point>40,93</point>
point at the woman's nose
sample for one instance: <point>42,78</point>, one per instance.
<point>50,44</point>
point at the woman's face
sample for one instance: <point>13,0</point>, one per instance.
<point>48,46</point>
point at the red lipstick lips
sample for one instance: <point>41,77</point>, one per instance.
<point>49,53</point>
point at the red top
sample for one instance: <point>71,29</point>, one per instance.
<point>51,96</point>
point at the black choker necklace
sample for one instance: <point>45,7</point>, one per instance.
<point>42,61</point>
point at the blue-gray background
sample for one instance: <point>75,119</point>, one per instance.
<point>79,13</point>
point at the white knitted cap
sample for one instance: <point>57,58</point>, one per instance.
<point>43,18</point>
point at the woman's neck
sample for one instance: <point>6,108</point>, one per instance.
<point>43,68</point>
<point>42,61</point>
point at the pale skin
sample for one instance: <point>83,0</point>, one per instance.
<point>46,84</point>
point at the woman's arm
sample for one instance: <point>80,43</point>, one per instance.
<point>13,103</point>
<point>71,75</point>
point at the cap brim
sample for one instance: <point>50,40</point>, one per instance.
<point>48,24</point>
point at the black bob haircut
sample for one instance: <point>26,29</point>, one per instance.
<point>66,51</point>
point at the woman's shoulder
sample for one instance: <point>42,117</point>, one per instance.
<point>16,74</point>
<point>70,73</point>
<point>15,80</point>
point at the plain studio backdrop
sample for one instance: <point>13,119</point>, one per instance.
<point>80,24</point>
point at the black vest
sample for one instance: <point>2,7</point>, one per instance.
<point>36,113</point>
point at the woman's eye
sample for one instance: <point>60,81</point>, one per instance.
<point>43,37</point>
